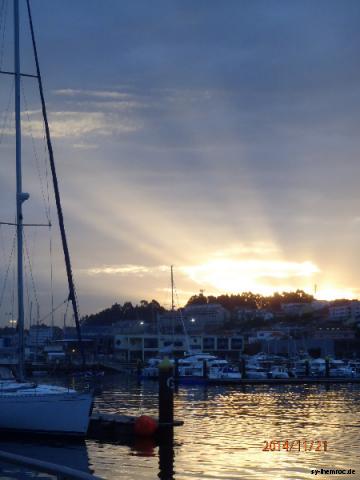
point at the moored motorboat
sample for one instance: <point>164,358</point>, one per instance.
<point>278,372</point>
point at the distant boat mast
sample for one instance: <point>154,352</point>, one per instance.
<point>20,195</point>
<point>172,289</point>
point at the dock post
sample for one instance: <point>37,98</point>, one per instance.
<point>307,368</point>
<point>166,419</point>
<point>138,369</point>
<point>243,368</point>
<point>176,375</point>
<point>166,456</point>
<point>327,367</point>
<point>176,369</point>
<point>166,394</point>
<point>205,370</point>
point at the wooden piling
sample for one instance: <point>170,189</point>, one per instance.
<point>166,394</point>
<point>205,369</point>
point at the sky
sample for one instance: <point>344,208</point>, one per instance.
<point>218,137</point>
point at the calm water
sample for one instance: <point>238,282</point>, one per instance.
<point>223,435</point>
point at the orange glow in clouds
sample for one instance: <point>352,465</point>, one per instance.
<point>260,276</point>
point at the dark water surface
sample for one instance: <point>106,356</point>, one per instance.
<point>223,435</point>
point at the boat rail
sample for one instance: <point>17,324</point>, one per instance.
<point>60,471</point>
<point>24,389</point>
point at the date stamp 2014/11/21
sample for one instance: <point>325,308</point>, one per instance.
<point>295,445</point>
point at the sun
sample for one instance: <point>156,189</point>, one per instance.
<point>264,276</point>
<point>260,276</point>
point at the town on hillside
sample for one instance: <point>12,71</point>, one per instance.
<point>229,326</point>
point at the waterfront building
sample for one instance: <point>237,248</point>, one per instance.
<point>267,335</point>
<point>130,347</point>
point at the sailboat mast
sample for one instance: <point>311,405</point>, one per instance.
<point>20,196</point>
<point>172,289</point>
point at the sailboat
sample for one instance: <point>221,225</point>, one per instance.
<point>26,407</point>
<point>194,367</point>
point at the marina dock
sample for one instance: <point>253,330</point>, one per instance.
<point>285,381</point>
<point>104,425</point>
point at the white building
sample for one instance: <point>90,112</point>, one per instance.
<point>210,314</point>
<point>195,318</point>
<point>301,308</point>
<point>267,335</point>
<point>345,311</point>
<point>130,347</point>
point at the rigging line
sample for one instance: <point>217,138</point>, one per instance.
<point>7,111</point>
<point>2,7</point>
<point>2,243</point>
<point>14,224</point>
<point>46,156</point>
<point>72,294</point>
<point>65,314</point>
<point>53,310</point>
<point>51,281</point>
<point>27,287</point>
<point>13,292</point>
<point>182,321</point>
<point>7,271</point>
<point>4,16</point>
<point>27,282</point>
<point>31,272</point>
<point>35,151</point>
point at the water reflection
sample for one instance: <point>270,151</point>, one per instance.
<point>166,456</point>
<point>144,447</point>
<point>73,455</point>
<point>223,435</point>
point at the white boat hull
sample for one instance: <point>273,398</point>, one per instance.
<point>63,413</point>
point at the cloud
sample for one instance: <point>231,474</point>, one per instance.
<point>112,95</point>
<point>65,124</point>
<point>85,146</point>
<point>103,99</point>
<point>126,269</point>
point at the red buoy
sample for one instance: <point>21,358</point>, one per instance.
<point>145,426</point>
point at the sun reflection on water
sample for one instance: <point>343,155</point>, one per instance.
<point>225,430</point>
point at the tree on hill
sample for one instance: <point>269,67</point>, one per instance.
<point>146,311</point>
<point>252,300</point>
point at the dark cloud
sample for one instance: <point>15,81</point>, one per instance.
<point>209,121</point>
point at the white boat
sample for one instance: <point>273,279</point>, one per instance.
<point>255,372</point>
<point>318,367</point>
<point>278,372</point>
<point>151,369</point>
<point>26,407</point>
<point>225,373</point>
<point>254,367</point>
<point>300,367</point>
<point>45,409</point>
<point>355,366</point>
<point>193,365</point>
<point>338,368</point>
